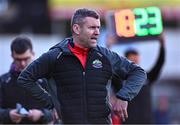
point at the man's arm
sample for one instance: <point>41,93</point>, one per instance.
<point>39,68</point>
<point>153,74</point>
<point>41,116</point>
<point>134,77</point>
<point>9,116</point>
<point>124,69</point>
<point>4,114</point>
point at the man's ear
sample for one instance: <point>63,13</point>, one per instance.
<point>76,29</point>
<point>12,55</point>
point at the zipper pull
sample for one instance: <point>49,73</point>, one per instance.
<point>84,73</point>
<point>60,53</point>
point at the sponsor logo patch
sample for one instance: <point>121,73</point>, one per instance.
<point>97,63</point>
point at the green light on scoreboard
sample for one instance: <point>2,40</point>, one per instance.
<point>138,22</point>
<point>157,20</point>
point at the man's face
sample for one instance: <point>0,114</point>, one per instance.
<point>134,58</point>
<point>89,32</point>
<point>22,60</point>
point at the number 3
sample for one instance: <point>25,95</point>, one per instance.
<point>155,20</point>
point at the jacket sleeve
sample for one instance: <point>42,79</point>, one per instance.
<point>4,113</point>
<point>39,68</point>
<point>4,116</point>
<point>133,75</point>
<point>153,74</point>
<point>47,117</point>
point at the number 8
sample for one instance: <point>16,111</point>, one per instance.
<point>124,21</point>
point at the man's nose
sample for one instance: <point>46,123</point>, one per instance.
<point>23,63</point>
<point>97,31</point>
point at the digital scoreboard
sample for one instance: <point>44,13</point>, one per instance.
<point>136,24</point>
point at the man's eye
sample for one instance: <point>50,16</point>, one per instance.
<point>24,59</point>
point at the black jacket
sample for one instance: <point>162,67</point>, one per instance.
<point>4,116</point>
<point>11,94</point>
<point>4,113</point>
<point>82,92</point>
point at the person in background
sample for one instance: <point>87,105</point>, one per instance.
<point>162,111</point>
<point>81,70</point>
<point>7,115</point>
<point>140,109</point>
<point>10,116</point>
<point>11,93</point>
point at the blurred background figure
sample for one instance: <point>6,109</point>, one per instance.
<point>11,116</point>
<point>7,115</point>
<point>11,93</point>
<point>140,109</point>
<point>161,113</point>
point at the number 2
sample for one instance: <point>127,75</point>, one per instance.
<point>141,21</point>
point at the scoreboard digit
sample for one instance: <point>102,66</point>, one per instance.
<point>139,23</point>
<point>125,27</point>
<point>155,20</point>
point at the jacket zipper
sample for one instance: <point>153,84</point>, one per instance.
<point>84,115</point>
<point>85,89</point>
<point>84,97</point>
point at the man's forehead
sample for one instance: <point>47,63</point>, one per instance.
<point>27,53</point>
<point>92,21</point>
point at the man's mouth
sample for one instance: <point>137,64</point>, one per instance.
<point>94,38</point>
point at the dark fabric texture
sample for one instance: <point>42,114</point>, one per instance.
<point>82,92</point>
<point>12,93</point>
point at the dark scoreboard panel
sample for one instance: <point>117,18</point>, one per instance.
<point>136,24</point>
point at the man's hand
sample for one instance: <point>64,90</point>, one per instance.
<point>120,108</point>
<point>161,39</point>
<point>15,117</point>
<point>35,115</point>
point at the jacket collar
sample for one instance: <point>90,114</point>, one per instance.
<point>13,70</point>
<point>63,45</point>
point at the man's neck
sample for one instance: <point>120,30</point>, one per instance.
<point>80,46</point>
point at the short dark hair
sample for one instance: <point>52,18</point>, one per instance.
<point>131,51</point>
<point>80,14</point>
<point>21,44</point>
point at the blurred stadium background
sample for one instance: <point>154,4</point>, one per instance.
<point>47,22</point>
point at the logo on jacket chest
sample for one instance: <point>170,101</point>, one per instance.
<point>97,63</point>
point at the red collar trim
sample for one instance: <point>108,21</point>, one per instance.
<point>77,49</point>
